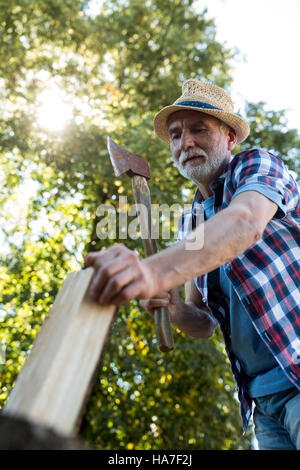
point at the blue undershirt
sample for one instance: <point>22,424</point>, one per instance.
<point>264,375</point>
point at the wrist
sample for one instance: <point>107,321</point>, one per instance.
<point>165,268</point>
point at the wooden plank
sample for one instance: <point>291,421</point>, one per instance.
<point>52,387</point>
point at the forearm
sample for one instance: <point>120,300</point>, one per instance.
<point>120,275</point>
<point>225,236</point>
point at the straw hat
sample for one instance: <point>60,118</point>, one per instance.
<point>207,98</point>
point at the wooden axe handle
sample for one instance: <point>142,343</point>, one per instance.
<point>161,315</point>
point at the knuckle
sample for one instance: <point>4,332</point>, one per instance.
<point>119,247</point>
<point>106,272</point>
<point>132,255</point>
<point>115,284</point>
<point>141,275</point>
<point>98,261</point>
<point>125,297</point>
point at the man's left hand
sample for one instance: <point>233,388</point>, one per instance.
<point>119,276</point>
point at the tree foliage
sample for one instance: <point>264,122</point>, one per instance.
<point>118,68</point>
<point>269,130</point>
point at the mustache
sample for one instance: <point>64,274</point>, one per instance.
<point>195,152</point>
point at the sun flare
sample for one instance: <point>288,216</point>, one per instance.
<point>53,111</point>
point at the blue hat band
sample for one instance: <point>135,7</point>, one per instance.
<point>198,104</point>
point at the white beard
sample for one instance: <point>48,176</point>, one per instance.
<point>207,168</point>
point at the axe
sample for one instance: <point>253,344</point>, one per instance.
<point>137,168</point>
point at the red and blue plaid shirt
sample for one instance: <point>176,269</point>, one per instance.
<point>266,276</point>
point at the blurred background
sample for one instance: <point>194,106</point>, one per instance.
<point>72,73</point>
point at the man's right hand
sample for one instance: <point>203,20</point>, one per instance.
<point>193,320</point>
<point>170,299</point>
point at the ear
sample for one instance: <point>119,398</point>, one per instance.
<point>231,138</point>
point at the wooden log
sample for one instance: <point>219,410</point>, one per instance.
<point>53,386</point>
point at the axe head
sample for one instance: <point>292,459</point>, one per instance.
<point>126,162</point>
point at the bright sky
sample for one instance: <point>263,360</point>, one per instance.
<point>267,33</point>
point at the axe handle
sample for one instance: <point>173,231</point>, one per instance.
<point>161,315</point>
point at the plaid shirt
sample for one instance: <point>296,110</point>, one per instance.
<point>266,276</point>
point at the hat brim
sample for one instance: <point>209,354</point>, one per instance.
<point>241,127</point>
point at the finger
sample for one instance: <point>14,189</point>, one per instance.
<point>151,307</point>
<point>100,258</point>
<point>129,292</point>
<point>105,273</point>
<point>158,303</point>
<point>116,283</point>
<point>90,258</point>
<point>109,265</point>
<point>161,296</point>
<point>144,305</point>
<point>150,304</point>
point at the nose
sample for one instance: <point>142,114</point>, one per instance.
<point>187,140</point>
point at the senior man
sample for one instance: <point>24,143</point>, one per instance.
<point>242,270</point>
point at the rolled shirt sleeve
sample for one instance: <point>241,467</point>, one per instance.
<point>261,171</point>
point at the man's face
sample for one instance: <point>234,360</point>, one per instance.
<point>200,146</point>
